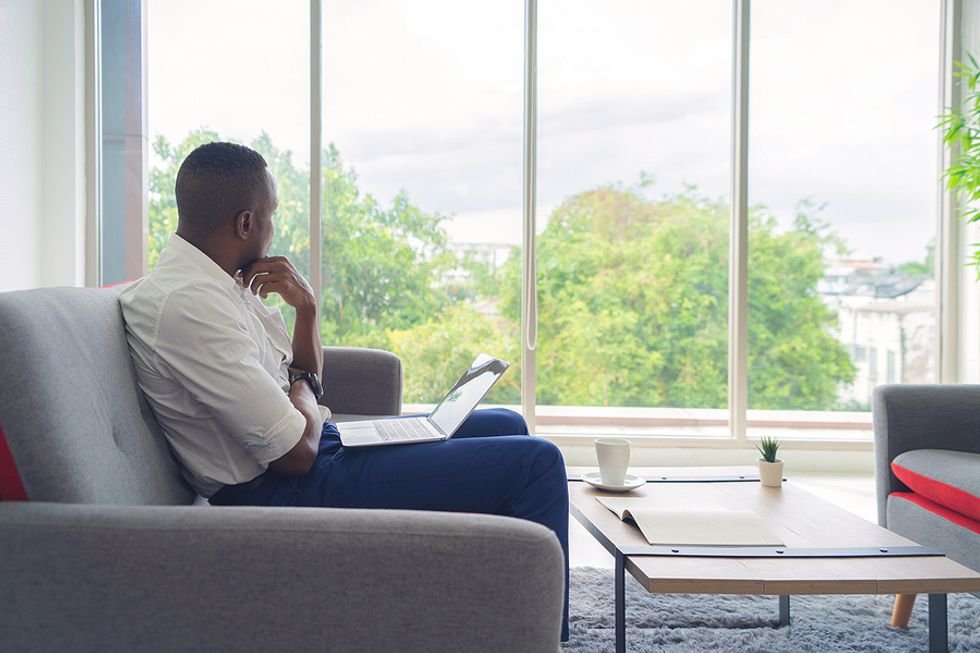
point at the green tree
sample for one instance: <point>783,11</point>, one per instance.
<point>441,349</point>
<point>381,266</point>
<point>633,305</point>
<point>795,362</point>
<point>633,293</point>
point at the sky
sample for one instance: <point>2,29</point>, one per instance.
<point>427,96</point>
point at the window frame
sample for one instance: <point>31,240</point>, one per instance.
<point>948,271</point>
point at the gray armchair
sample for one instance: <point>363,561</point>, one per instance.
<point>110,551</point>
<point>931,435</point>
<point>910,418</point>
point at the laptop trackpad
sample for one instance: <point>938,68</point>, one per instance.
<point>359,434</point>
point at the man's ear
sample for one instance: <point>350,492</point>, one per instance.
<point>244,224</point>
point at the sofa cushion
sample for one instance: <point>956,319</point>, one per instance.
<point>75,421</point>
<point>938,510</point>
<point>948,478</point>
<point>11,487</point>
<point>927,523</point>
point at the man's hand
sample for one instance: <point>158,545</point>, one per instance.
<point>277,274</point>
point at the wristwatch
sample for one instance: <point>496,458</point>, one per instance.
<point>310,378</point>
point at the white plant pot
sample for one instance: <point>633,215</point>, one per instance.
<point>771,474</point>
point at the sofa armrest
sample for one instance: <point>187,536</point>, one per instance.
<point>910,417</point>
<point>100,577</point>
<point>361,381</point>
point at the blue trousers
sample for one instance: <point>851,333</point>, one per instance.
<point>491,465</point>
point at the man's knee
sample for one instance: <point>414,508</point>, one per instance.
<point>506,421</point>
<point>548,458</point>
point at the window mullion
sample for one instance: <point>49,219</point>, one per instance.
<point>529,300</point>
<point>93,137</point>
<point>738,246</point>
<point>947,263</point>
<point>316,145</point>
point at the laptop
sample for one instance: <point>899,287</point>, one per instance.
<point>438,425</point>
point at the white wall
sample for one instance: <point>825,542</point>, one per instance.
<point>42,143</point>
<point>63,144</point>
<point>20,144</point>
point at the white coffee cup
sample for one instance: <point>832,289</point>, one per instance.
<point>613,455</point>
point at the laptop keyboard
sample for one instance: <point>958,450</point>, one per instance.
<point>401,429</point>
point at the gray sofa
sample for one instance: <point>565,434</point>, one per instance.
<point>111,551</point>
<point>930,435</point>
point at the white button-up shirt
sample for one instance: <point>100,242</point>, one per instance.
<point>213,362</point>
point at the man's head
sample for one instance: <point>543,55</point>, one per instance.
<point>225,199</point>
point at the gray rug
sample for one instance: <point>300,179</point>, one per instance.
<point>680,622</point>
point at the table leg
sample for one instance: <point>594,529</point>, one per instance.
<point>902,610</point>
<point>783,610</point>
<point>620,603</point>
<point>938,635</point>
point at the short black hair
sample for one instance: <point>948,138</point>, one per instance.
<point>216,182</point>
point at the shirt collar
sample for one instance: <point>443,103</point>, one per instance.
<point>181,252</point>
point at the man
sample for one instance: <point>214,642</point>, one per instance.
<point>237,398</point>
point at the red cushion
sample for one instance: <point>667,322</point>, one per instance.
<point>11,488</point>
<point>935,508</point>
<point>936,491</point>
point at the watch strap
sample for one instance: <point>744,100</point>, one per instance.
<point>311,379</point>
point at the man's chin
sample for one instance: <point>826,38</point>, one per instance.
<point>246,265</point>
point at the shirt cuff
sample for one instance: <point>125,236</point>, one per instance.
<point>281,438</point>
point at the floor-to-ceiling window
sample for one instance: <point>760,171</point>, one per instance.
<point>421,225</point>
<point>843,221</point>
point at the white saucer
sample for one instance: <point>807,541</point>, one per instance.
<point>631,482</point>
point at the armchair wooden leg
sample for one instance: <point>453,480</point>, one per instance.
<point>902,610</point>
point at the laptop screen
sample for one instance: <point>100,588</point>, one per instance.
<point>467,393</point>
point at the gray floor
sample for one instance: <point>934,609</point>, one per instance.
<point>855,493</point>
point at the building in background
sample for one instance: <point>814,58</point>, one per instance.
<point>886,318</point>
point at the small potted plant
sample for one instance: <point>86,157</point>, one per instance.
<point>770,467</point>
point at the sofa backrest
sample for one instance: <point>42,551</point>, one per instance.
<point>74,419</point>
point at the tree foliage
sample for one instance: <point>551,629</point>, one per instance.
<point>444,347</point>
<point>633,292</point>
<point>633,306</point>
<point>382,266</point>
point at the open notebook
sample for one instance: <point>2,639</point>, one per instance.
<point>717,527</point>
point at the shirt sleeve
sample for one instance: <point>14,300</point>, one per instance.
<point>275,328</point>
<point>209,352</point>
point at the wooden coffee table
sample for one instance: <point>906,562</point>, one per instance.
<point>828,550</point>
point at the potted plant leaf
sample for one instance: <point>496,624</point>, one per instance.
<point>770,467</point>
<point>961,133</point>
